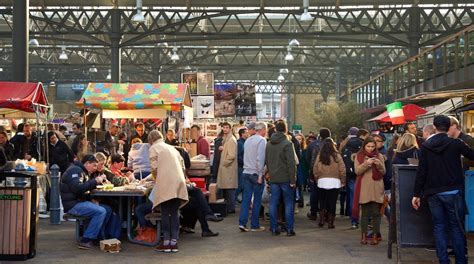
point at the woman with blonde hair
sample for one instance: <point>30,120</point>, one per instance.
<point>170,191</point>
<point>407,148</point>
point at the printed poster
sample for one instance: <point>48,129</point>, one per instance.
<point>205,106</point>
<point>191,79</point>
<point>205,83</point>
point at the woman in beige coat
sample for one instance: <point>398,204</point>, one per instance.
<point>227,174</point>
<point>369,189</point>
<point>169,192</point>
<point>330,175</point>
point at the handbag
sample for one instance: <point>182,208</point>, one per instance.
<point>414,160</point>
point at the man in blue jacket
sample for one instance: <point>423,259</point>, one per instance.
<point>440,179</point>
<point>75,186</point>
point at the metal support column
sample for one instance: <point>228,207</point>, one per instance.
<point>20,38</point>
<point>116,50</point>
<point>156,67</point>
<point>338,83</point>
<point>414,28</point>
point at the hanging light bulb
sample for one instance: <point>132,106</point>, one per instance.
<point>175,56</point>
<point>289,56</point>
<point>93,69</point>
<point>34,42</point>
<point>281,78</point>
<point>294,43</point>
<point>109,76</point>
<point>63,56</point>
<point>139,17</point>
<point>306,16</point>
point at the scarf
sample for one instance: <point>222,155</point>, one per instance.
<point>376,176</point>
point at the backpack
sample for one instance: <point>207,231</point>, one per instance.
<point>348,156</point>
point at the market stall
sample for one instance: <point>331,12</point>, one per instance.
<point>383,122</point>
<point>138,100</point>
<point>18,189</point>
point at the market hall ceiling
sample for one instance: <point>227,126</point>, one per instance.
<point>227,3</point>
<point>341,45</point>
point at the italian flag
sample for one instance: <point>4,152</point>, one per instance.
<point>395,112</point>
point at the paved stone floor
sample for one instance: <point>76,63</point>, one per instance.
<point>310,245</point>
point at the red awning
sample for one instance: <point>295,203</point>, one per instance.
<point>411,111</point>
<point>27,97</point>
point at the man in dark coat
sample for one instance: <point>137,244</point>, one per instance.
<point>440,178</point>
<point>59,152</point>
<point>75,186</point>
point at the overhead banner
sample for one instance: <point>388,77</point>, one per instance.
<point>245,102</point>
<point>224,95</point>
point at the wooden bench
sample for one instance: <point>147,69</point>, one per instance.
<point>154,218</point>
<point>80,224</point>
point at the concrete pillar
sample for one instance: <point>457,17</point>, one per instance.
<point>20,37</point>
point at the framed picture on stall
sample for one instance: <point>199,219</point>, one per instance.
<point>191,79</point>
<point>205,83</point>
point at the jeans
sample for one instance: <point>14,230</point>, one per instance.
<point>314,198</point>
<point>240,185</point>
<point>141,210</point>
<point>141,174</point>
<point>447,212</point>
<point>255,190</point>
<point>284,189</point>
<point>370,211</point>
<point>170,219</point>
<point>196,209</point>
<point>350,194</point>
<point>97,214</point>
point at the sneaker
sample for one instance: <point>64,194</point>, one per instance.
<point>243,228</point>
<point>84,244</point>
<point>163,248</point>
<point>290,233</point>
<point>354,226</point>
<point>187,230</point>
<point>430,249</point>
<point>173,248</point>
<point>214,218</point>
<point>259,229</point>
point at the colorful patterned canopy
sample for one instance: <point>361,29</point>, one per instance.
<point>128,96</point>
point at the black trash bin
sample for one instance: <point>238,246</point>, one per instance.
<point>18,215</point>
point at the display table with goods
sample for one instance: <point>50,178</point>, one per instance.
<point>127,193</point>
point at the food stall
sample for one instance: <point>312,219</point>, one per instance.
<point>18,188</point>
<point>137,100</point>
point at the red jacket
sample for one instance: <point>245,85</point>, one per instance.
<point>203,147</point>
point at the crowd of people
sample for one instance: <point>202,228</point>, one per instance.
<point>265,162</point>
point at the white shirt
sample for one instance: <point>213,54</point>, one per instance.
<point>329,183</point>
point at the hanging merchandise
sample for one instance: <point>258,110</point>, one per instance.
<point>205,106</point>
<point>224,95</point>
<point>245,102</point>
<point>205,83</point>
<point>191,79</point>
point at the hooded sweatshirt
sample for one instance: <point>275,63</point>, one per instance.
<point>139,157</point>
<point>440,168</point>
<point>280,159</point>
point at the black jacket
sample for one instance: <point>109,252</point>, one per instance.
<point>440,167</point>
<point>19,140</point>
<point>75,185</point>
<point>7,153</point>
<point>401,157</point>
<point>61,155</point>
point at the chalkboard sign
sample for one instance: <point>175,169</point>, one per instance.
<point>408,227</point>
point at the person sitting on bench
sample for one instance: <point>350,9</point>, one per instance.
<point>75,186</point>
